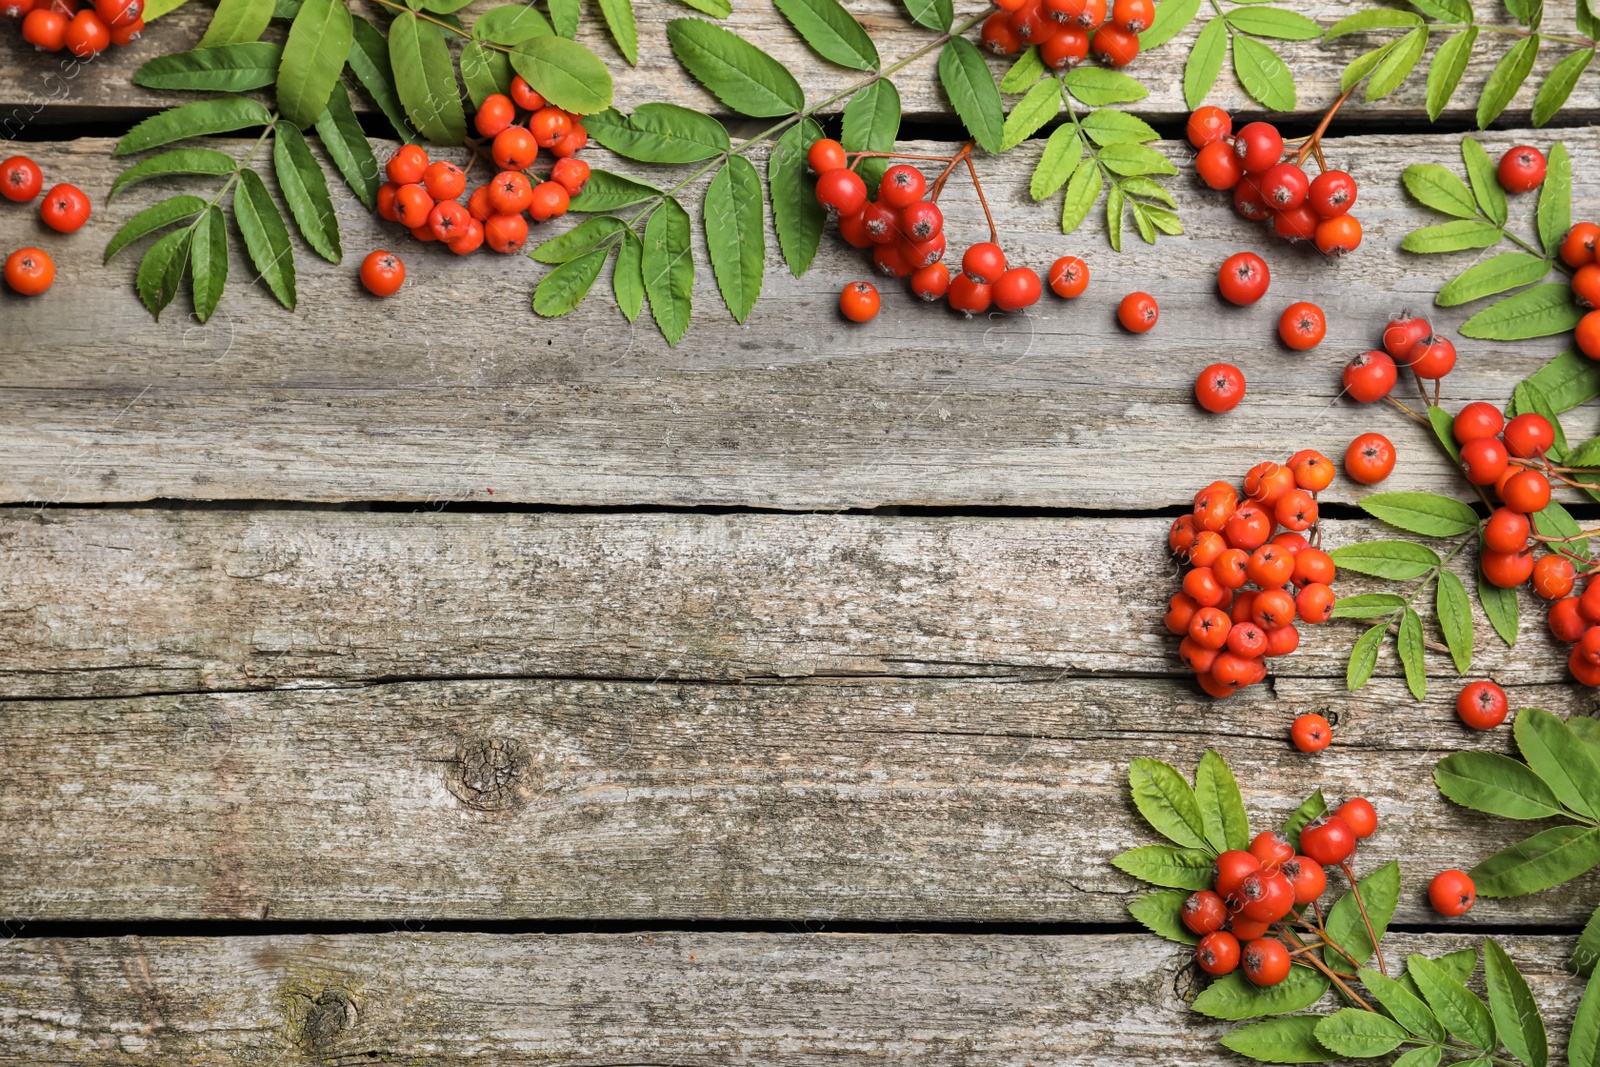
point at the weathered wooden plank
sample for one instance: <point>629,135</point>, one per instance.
<point>113,602</point>
<point>44,88</point>
<point>453,387</point>
<point>908,801</point>
<point>638,999</point>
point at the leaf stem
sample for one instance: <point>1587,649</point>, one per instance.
<point>1332,975</point>
<point>1355,891</point>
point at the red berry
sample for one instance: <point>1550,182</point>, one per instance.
<point>1265,961</point>
<point>901,186</point>
<point>45,29</point>
<point>1138,313</point>
<point>495,115</point>
<point>1482,705</point>
<point>1069,277</point>
<point>1526,492</point>
<point>1310,733</point>
<point>1218,953</point>
<point>1578,246</point>
<point>1208,125</point>
<point>1587,335</point>
<point>1433,357</point>
<point>1506,530</point>
<point>1248,199</point>
<point>30,271</point>
<point>444,180</point>
<point>1566,620</point>
<point>1332,193</point>
<point>1271,848</point>
<point>1204,913</point>
<point>1134,16</point>
<point>525,95</point>
<point>405,167</point>
<point>1016,289</point>
<point>999,36</point>
<point>984,262</point>
<point>1307,877</point>
<point>1267,895</point>
<point>1507,570</point>
<point>382,273</point>
<point>1295,224</point>
<point>1114,46</point>
<point>1259,146</point>
<point>1230,869</point>
<point>1477,420</point>
<point>858,301</point>
<point>1529,435</point>
<point>1302,326</point>
<point>1218,165</point>
<point>571,174</point>
<point>1402,335</point>
<point>1521,169</point>
<point>841,191</point>
<point>1484,459</point>
<point>1243,278</point>
<point>505,233</point>
<point>1068,47</point>
<point>968,296</point>
<point>87,35</point>
<point>1219,388</point>
<point>65,208</point>
<point>1553,577</point>
<point>1328,839</point>
<point>1361,815</point>
<point>548,125</point>
<point>513,149</point>
<point>1369,459</point>
<point>931,282</point>
<point>1285,186</point>
<point>826,154</point>
<point>20,179</point>
<point>1370,376</point>
<point>923,221</point>
<point>1452,893</point>
<point>1338,235</point>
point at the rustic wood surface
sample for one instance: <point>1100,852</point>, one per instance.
<point>46,88</point>
<point>456,388</point>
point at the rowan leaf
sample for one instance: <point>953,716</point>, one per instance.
<point>208,261</point>
<point>1381,892</point>
<point>1435,187</point>
<point>151,219</point>
<point>199,119</point>
<point>564,288</point>
<point>1221,805</point>
<point>184,161</point>
<point>1506,78</point>
<point>1311,807</point>
<point>1235,997</point>
<point>1496,785</point>
<point>1097,86</point>
<point>1456,1006</point>
<point>1378,18</point>
<point>1537,863</point>
<point>938,15</point>
<point>1399,560</point>
<point>1083,189</point>
<point>736,235</point>
<point>1171,17</point>
<point>161,271</point>
<point>669,269</point>
<point>1063,152</point>
<point>1583,1047</point>
<point>831,31</point>
<point>1428,514</point>
<point>872,124</point>
<point>233,68</point>
<point>305,190</point>
<point>1360,1034</point>
<point>1511,1003</point>
<point>425,79</point>
<point>1108,126</point>
<point>1456,235</point>
<point>1555,199</point>
<point>796,215</point>
<point>605,191</point>
<point>570,76</point>
<point>1364,656</point>
<point>1446,68</point>
<point>1289,1039</point>
<point>623,27</point>
<point>1038,107</point>
<point>1500,606</point>
<point>1272,22</point>
<point>565,247</point>
<point>1168,866</point>
<point>1538,311</point>
<point>486,71</point>
<point>1454,612</point>
<point>736,72</point>
<point>659,133</point>
<point>319,42</point>
<point>1263,73</point>
<point>1555,754</point>
<point>627,278</point>
<point>972,92</point>
<point>1205,62</point>
<point>346,144</point>
<point>1558,85</point>
<point>235,22</point>
<point>1162,914</point>
<point>1397,65</point>
<point>1407,1008</point>
<point>1497,274</point>
<point>369,62</point>
<point>266,237</point>
<point>511,24</point>
<point>1028,69</point>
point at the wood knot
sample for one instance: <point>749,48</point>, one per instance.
<point>317,1020</point>
<point>491,773</point>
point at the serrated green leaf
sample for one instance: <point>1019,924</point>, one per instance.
<point>1456,1006</point>
<point>1583,1048</point>
<point>1585,955</point>
<point>223,115</point>
<point>1364,656</point>
<point>605,191</point>
<point>319,42</point>
<point>1428,514</point>
<point>1555,199</point>
<point>1495,784</point>
<point>1397,65</point>
<point>1386,559</point>
<point>235,22</point>
<point>369,62</point>
<point>972,92</point>
<point>1381,892</point>
<point>161,270</point>
<point>1062,154</point>
<point>1363,65</point>
<point>717,9</point>
<point>1454,236</point>
<point>627,279</point>
<point>342,138</point>
<point>796,215</point>
<point>1435,187</point>
<point>1511,1003</point>
<point>1148,188</point>
<point>1558,85</point>
<point>208,261</point>
<point>1161,913</point>
<point>1273,22</point>
<point>1500,606</point>
<point>200,161</point>
<point>1098,87</point>
<point>1445,10</point>
<point>425,79</point>
<point>486,71</point>
<point>735,234</point>
<point>623,27</point>
<point>1454,612</point>
<point>1506,78</point>
<point>1311,807</point>
<point>1290,1039</point>
<point>1360,1034</point>
<point>234,68</point>
<point>563,248</point>
<point>1378,18</point>
<point>1263,73</point>
<point>1205,62</point>
<point>937,15</point>
<point>266,237</point>
<point>1555,754</point>
<point>564,288</point>
<point>1367,605</point>
<point>1444,431</point>
<point>1167,866</point>
<point>1540,862</point>
<point>738,73</point>
<point>1568,380</point>
<point>1486,188</point>
<point>1497,274</point>
<point>831,31</point>
<point>1028,69</point>
<point>669,269</point>
<point>1108,126</point>
<point>571,77</point>
<point>1234,997</point>
<point>1082,191</point>
<point>1407,1008</point>
<point>511,24</point>
<point>1446,68</point>
<point>1134,159</point>
<point>305,190</point>
<point>1166,221</point>
<point>1114,206</point>
<point>659,133</point>
<point>1426,1056</point>
<point>1171,17</point>
<point>1538,311</point>
<point>1166,802</point>
<point>1221,805</point>
<point>1035,109</point>
<point>151,219</point>
<point>872,124</point>
<point>1556,521</point>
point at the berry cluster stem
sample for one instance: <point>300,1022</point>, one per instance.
<point>1355,891</point>
<point>1314,142</point>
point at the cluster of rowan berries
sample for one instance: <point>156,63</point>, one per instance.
<point>1228,628</point>
<point>1250,891</point>
<point>65,209</point>
<point>51,25</point>
<point>1267,188</point>
<point>1066,31</point>
<point>1407,340</point>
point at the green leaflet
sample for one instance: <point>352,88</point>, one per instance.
<point>1397,64</point>
<point>1364,656</point>
<point>1311,807</point>
<point>1444,431</point>
<point>972,92</point>
<point>624,30</point>
<point>1273,22</point>
<point>1555,754</point>
<point>369,62</point>
<point>1381,891</point>
<point>1062,154</point>
<point>1115,202</point>
<point>1539,862</point>
<point>1098,87</point>
<point>1263,74</point>
<point>871,124</point>
<point>1035,109</point>
<point>1506,78</point>
<point>486,71</point>
<point>1378,18</point>
<point>1500,605</point>
<point>669,269</point>
<point>1171,17</point>
<point>1426,1056</point>
<point>1587,952</point>
<point>1538,311</point>
<point>156,8</point>
<point>1508,270</point>
<point>1422,513</point>
<point>234,68</point>
<point>1360,1034</point>
<point>1235,997</point>
<point>1583,1049</point>
<point>1108,127</point>
<point>1367,605</point>
<point>1555,199</point>
<point>738,73</point>
<point>511,24</point>
<point>1444,72</point>
<point>151,219</point>
<point>627,279</point>
<point>1406,1007</point>
<point>1511,1004</point>
<point>1558,85</point>
<point>1135,159</point>
<point>1028,69</point>
<point>425,78</point>
<point>937,15</point>
<point>569,75</point>
<point>1568,380</point>
<point>1387,559</point>
<point>305,190</point>
<point>796,215</point>
<point>235,22</point>
<point>223,115</point>
<point>319,42</point>
<point>659,133</point>
<point>1445,10</point>
<point>605,191</point>
<point>735,234</point>
<point>1495,784</point>
<point>831,31</point>
<point>208,262</point>
<point>1485,184</point>
<point>161,271</point>
<point>1363,65</point>
<point>266,237</point>
<point>1221,806</point>
<point>1082,191</point>
<point>1454,612</point>
<point>1435,187</point>
<point>1456,1006</point>
<point>346,144</point>
<point>1167,866</point>
<point>564,288</point>
<point>1556,521</point>
<point>1290,1039</point>
<point>580,239</point>
<point>717,9</point>
<point>204,161</point>
<point>1205,62</point>
<point>564,16</point>
<point>1162,914</point>
<point>1166,802</point>
<point>1454,236</point>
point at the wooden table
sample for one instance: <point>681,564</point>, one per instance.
<point>435,683</point>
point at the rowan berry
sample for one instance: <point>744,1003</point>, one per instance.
<point>1433,357</point>
<point>87,35</point>
<point>1270,567</point>
<point>1338,235</point>
<point>1521,169</point>
<point>1294,542</point>
<point>1248,199</point>
<point>20,179</point>
<point>1578,246</point>
<point>1243,606</point>
<point>386,206</point>
<point>122,36</point>
<point>1220,387</point>
<point>470,239</point>
<point>1313,471</point>
<point>1181,609</point>
<point>1218,953</point>
<point>1588,648</point>
<point>1196,656</point>
<point>968,296</point>
<point>1208,125</point>
<point>1312,565</point>
<point>1246,929</point>
<point>444,180</point>
<point>65,208</point>
<point>1553,577</point>
<point>1527,492</point>
<point>505,233</point>
<point>1506,530</point>
<point>853,228</point>
<point>1259,146</point>
<point>1507,570</point>
<point>525,95</point>
<point>1370,376</point>
<point>1086,13</point>
<point>1589,602</point>
<point>548,125</point>
<point>1138,313</point>
<point>514,149</point>
<point>382,273</point>
<point>45,30</point>
<point>1282,641</point>
<point>1272,849</point>
<point>1247,639</point>
<point>495,115</point>
<point>448,220</point>
<point>1272,608</point>
<point>881,222</point>
<point>1204,913</point>
<point>923,221</point>
<point>1328,839</point>
<point>1208,548</point>
<point>1584,671</point>
<point>931,282</point>
<point>1230,869</point>
<point>1566,620</point>
<point>1069,277</point>
<point>1031,23</point>
<point>549,201</point>
<point>407,164</point>
<point>571,144</point>
<point>999,36</point>
<point>1285,186</point>
<point>1233,671</point>
<point>1362,817</point>
<point>1586,285</point>
<point>1214,504</point>
<point>1314,603</point>
<point>1295,224</point>
<point>1265,961</point>
<point>1243,278</point>
<point>1310,733</point>
<point>424,233</point>
<point>1511,471</point>
<point>1201,583</point>
<point>1302,326</point>
<point>1209,625</point>
<point>1529,435</point>
<point>984,262</point>
<point>901,186</point>
<point>841,191</point>
<point>921,253</point>
<point>1307,877</point>
<point>479,204</point>
<point>1181,534</point>
<point>1267,482</point>
<point>1587,335</point>
<point>1332,193</point>
<point>1477,420</point>
<point>1016,289</point>
<point>1402,333</point>
<point>1296,510</point>
<point>1066,48</point>
<point>1484,459</point>
<point>1369,459</point>
<point>1218,165</point>
<point>888,261</point>
<point>412,205</point>
<point>30,271</point>
<point>1249,527</point>
<point>1452,893</point>
<point>1134,16</point>
<point>15,9</point>
<point>571,175</point>
<point>1267,894</point>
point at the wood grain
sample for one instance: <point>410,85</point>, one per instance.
<point>454,388</point>
<point>46,88</point>
<point>637,999</point>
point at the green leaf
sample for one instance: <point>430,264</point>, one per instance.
<point>571,77</point>
<point>1500,605</point>
<point>1098,87</point>
<point>223,115</point>
<point>937,15</point>
<point>1435,187</point>
<point>1495,784</point>
<point>1028,69</point>
<point>1062,154</point>
<point>152,219</point>
<point>319,42</point>
<point>1587,23</point>
<point>233,68</point>
<point>1538,311</point>
<point>235,22</point>
<point>1171,17</point>
<point>624,30</point>
<point>266,237</point>
<point>1399,1001</point>
<point>1555,199</point>
<point>156,8</point>
<point>1486,188</point>
<point>1454,611</point>
<point>1422,513</point>
<point>1163,219</point>
<point>511,25</point>
<point>1446,68</point>
<point>305,190</point>
<point>1378,18</point>
<point>1506,78</point>
<point>1161,913</point>
<point>1381,891</point>
<point>796,215</point>
<point>208,261</point>
<point>738,73</point>
<point>1311,807</point>
<point>1511,1003</point>
<point>1397,65</point>
<point>1363,65</point>
<point>1444,431</point>
<point>1290,1039</point>
<point>1454,236</point>
<point>717,9</point>
<point>1540,862</point>
<point>1457,1007</point>
<point>1556,521</point>
<point>369,62</point>
<point>1386,559</point>
<point>1166,802</point>
<point>1108,127</point>
<point>1263,74</point>
<point>1586,455</point>
<point>1568,380</point>
<point>1555,754</point>
<point>564,288</point>
<point>1584,957</point>
<point>659,133</point>
<point>1148,188</point>
<point>342,138</point>
<point>1221,805</point>
<point>564,16</point>
<point>871,124</point>
<point>486,71</point>
<point>426,79</point>
<point>831,31</point>
<point>205,161</point>
<point>669,269</point>
<point>1167,865</point>
<point>1360,1034</point>
<point>1587,730</point>
<point>1426,1056</point>
<point>1114,206</point>
<point>1583,1049</point>
<point>161,270</point>
<point>582,238</point>
<point>605,191</point>
<point>966,80</point>
<point>1235,997</point>
<point>1030,113</point>
<point>1367,605</point>
<point>1445,10</point>
<point>1205,62</point>
<point>1082,191</point>
<point>1273,22</point>
<point>627,279</point>
<point>1135,159</point>
<point>1364,656</point>
<point>735,235</point>
<point>1494,275</point>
